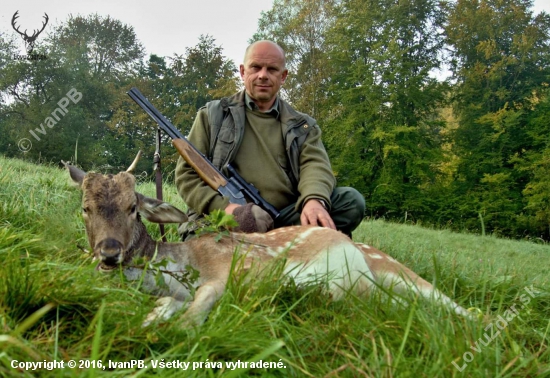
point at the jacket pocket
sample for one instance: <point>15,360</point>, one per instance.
<point>223,147</point>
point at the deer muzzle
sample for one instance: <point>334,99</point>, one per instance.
<point>110,252</point>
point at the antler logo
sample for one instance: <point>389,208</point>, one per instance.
<point>29,40</point>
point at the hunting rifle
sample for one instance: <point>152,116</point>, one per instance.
<point>233,187</point>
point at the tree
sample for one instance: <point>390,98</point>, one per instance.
<point>535,163</point>
<point>202,75</point>
<point>300,27</point>
<point>105,47</point>
<point>90,57</point>
<point>382,128</point>
<point>177,88</point>
<point>500,59</point>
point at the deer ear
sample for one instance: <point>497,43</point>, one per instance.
<point>77,175</point>
<point>157,211</point>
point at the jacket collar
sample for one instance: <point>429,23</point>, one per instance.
<point>288,115</point>
<point>250,104</point>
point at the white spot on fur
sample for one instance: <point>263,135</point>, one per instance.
<point>272,253</point>
<point>304,235</point>
<point>285,247</point>
<point>375,256</point>
<point>341,268</point>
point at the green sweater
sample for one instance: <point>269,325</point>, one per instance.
<point>262,159</point>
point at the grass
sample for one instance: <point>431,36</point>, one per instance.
<point>55,306</point>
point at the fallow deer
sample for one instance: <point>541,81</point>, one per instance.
<point>112,213</point>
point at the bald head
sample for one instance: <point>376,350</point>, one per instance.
<point>263,72</point>
<point>265,44</point>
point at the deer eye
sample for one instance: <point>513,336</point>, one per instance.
<point>85,210</point>
<point>133,209</point>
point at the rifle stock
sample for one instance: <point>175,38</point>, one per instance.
<point>206,172</point>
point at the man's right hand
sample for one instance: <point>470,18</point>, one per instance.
<point>231,207</point>
<point>315,213</point>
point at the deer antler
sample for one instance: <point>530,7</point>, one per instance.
<point>35,34</point>
<point>134,163</point>
<point>16,16</point>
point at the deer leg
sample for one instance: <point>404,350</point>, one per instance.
<point>402,283</point>
<point>205,298</point>
<point>394,276</point>
<point>166,307</point>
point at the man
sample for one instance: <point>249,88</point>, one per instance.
<point>273,147</point>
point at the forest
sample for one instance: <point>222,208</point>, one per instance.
<point>438,112</point>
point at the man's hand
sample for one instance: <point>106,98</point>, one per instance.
<point>251,218</point>
<point>314,213</point>
<point>231,207</point>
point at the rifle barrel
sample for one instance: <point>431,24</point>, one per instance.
<point>166,125</point>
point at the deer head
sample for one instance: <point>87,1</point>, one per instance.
<point>29,40</point>
<point>112,211</point>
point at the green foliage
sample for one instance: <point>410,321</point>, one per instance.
<point>177,86</point>
<point>218,222</point>
<point>501,65</point>
<point>300,28</point>
<point>186,277</point>
<point>86,56</point>
<point>382,128</point>
<point>101,59</point>
<point>535,162</point>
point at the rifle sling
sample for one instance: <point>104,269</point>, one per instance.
<point>158,176</point>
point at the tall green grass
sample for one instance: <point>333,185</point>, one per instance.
<point>54,305</point>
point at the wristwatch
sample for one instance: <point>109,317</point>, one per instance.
<point>323,203</point>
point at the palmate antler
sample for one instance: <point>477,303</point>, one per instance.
<point>29,39</point>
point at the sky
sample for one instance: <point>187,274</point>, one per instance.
<point>164,27</point>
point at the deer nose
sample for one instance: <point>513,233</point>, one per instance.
<point>110,251</point>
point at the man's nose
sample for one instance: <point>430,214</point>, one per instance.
<point>262,74</point>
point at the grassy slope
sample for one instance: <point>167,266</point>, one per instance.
<point>54,305</point>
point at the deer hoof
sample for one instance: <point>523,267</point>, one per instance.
<point>166,307</point>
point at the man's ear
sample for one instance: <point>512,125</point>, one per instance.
<point>241,71</point>
<point>157,211</point>
<point>77,175</point>
<point>284,76</point>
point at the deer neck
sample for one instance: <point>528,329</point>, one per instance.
<point>142,244</point>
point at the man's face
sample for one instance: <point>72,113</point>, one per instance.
<point>263,72</point>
